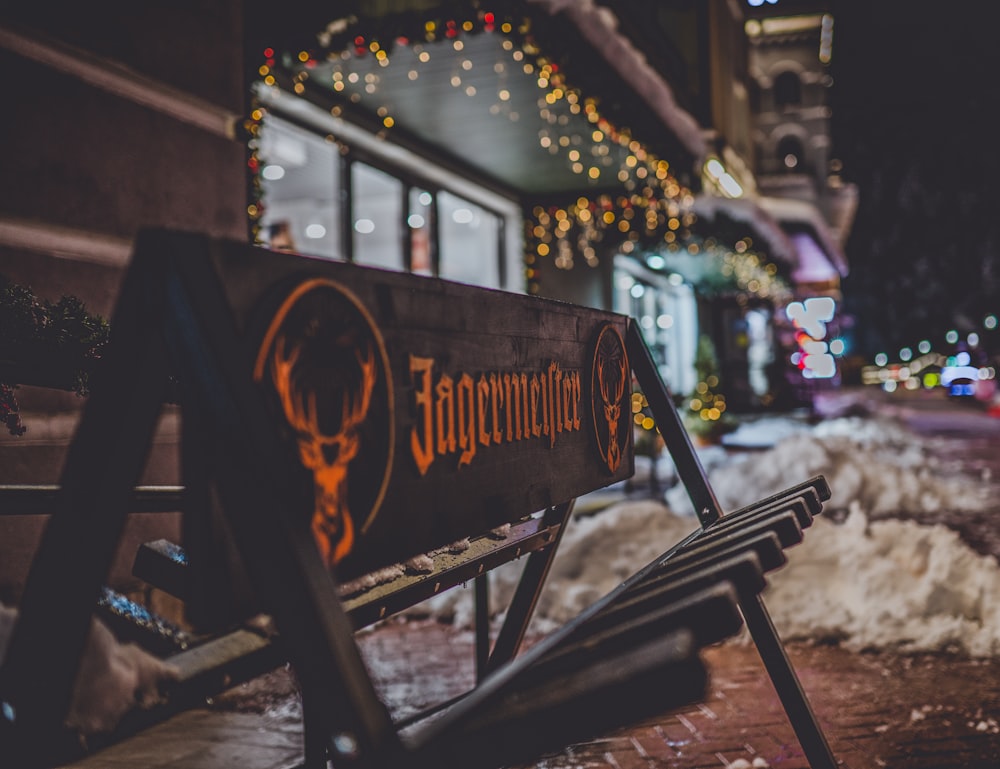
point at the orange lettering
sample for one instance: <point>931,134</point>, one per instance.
<point>421,445</point>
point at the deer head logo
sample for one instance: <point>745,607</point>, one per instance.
<point>610,380</point>
<point>326,367</point>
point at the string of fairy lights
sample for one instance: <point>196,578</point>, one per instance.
<point>651,212</point>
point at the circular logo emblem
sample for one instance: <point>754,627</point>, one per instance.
<point>323,364</point>
<point>610,396</point>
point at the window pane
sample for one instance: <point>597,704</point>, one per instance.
<point>299,184</point>
<point>378,202</point>
<point>469,242</point>
<point>419,221</point>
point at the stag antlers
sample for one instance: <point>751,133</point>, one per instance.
<point>612,410</point>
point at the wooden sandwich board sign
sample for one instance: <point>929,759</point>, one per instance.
<point>336,419</point>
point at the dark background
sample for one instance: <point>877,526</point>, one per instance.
<point>915,122</point>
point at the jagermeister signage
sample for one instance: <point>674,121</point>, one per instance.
<point>408,398</point>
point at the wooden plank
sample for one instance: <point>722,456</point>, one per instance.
<point>461,407</point>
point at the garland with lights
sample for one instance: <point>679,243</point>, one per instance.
<point>652,201</point>
<point>44,343</point>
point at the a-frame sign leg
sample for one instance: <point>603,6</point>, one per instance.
<point>259,500</point>
<point>103,464</point>
<point>762,630</point>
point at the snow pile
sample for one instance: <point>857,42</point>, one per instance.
<point>863,582</point>
<point>888,584</point>
<point>875,463</point>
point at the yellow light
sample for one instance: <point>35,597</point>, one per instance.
<point>594,172</point>
<point>648,423</point>
<point>574,155</point>
<point>542,249</point>
<point>503,95</point>
<point>264,69</point>
<point>303,56</point>
<point>505,27</point>
<point>597,136</point>
<point>696,404</point>
<point>584,215</point>
<point>582,202</point>
<point>609,217</point>
<point>388,122</point>
<point>637,419</point>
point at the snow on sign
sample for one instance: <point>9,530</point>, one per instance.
<point>810,318</point>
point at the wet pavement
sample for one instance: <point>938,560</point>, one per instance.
<point>877,709</point>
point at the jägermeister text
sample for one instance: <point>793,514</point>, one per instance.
<point>462,413</point>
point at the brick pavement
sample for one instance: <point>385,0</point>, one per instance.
<point>877,709</point>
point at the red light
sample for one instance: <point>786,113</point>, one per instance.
<point>489,18</point>
<point>268,53</point>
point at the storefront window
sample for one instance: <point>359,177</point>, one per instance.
<point>377,217</point>
<point>666,311</point>
<point>386,217</point>
<point>420,220</point>
<point>469,237</point>
<point>299,178</point>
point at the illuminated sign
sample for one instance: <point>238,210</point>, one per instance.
<point>810,317</point>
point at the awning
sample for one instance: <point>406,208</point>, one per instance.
<point>820,257</point>
<point>761,225</point>
<point>449,83</point>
